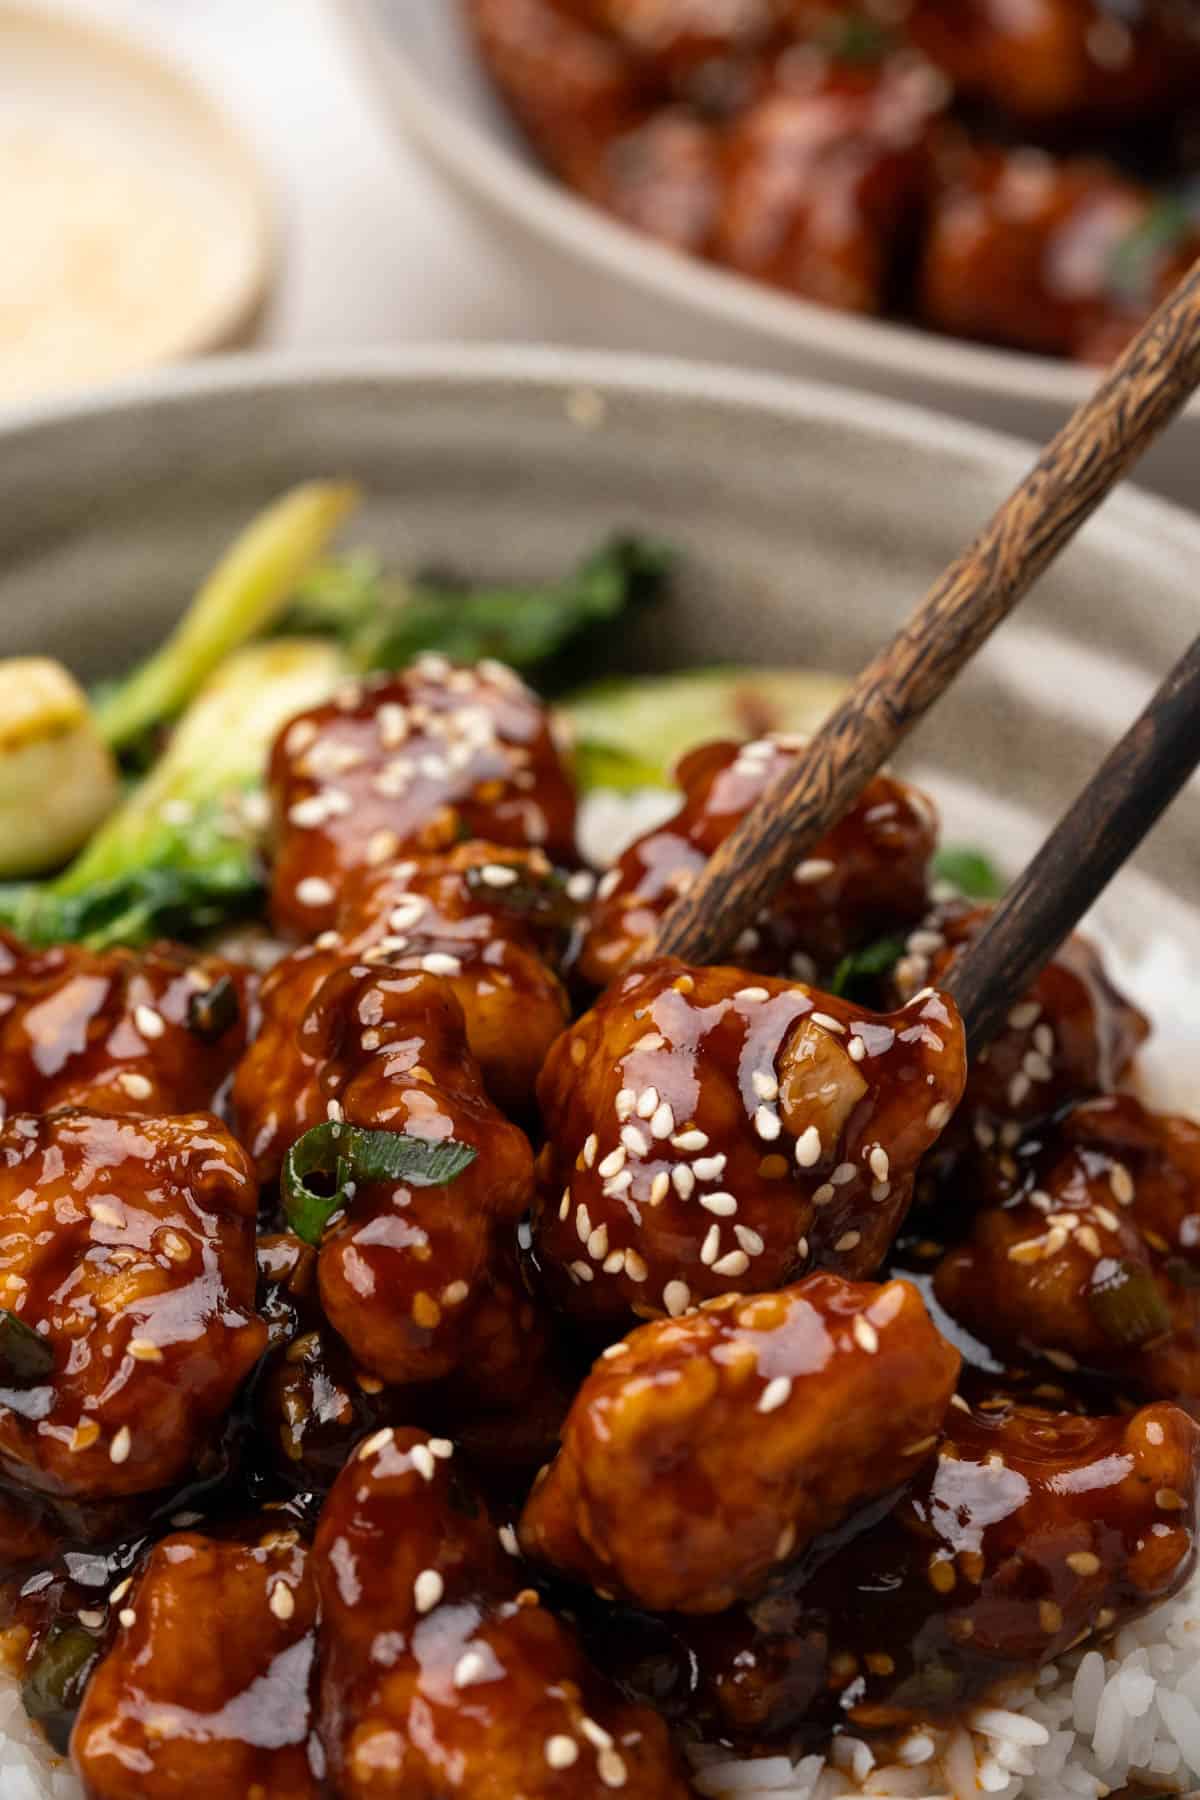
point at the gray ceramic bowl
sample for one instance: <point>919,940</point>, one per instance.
<point>613,286</point>
<point>810,520</point>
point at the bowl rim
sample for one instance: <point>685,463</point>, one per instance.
<point>532,197</point>
<point>229,319</point>
<point>1160,524</point>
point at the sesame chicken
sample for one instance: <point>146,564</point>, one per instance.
<point>440,1674</point>
<point>411,763</point>
<point>840,1386</point>
<point>711,1131</point>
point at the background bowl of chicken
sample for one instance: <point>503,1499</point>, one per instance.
<point>590,278</point>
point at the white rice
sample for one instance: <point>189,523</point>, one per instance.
<point>1082,1728</point>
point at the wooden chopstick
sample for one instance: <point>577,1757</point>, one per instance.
<point>1146,387</point>
<point>1105,823</point>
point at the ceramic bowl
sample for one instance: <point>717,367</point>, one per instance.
<point>613,286</point>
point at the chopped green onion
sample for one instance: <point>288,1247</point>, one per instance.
<point>1127,1303</point>
<point>25,1357</point>
<point>1137,261</point>
<point>970,871</point>
<point>214,1012</point>
<point>862,968</point>
<point>346,1154</point>
<point>53,1687</point>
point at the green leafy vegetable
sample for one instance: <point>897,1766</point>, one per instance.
<point>970,871</point>
<point>1127,1304</point>
<point>859,39</point>
<point>383,624</point>
<point>859,974</point>
<point>241,599</point>
<point>53,1687</point>
<point>25,1357</point>
<point>343,1156</point>
<point>1137,261</point>
<point>182,853</point>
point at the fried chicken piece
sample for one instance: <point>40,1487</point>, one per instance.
<point>711,1131</point>
<point>206,1689</point>
<point>1071,1035</point>
<point>840,1386</point>
<point>438,1677</point>
<point>1093,1256</point>
<point>1064,62</point>
<point>407,763</point>
<point>825,177</point>
<point>868,874</point>
<point>127,1247</point>
<point>1027,1533</point>
<point>404,1272</point>
<point>119,1031</point>
<point>1064,256</point>
<point>313,1401</point>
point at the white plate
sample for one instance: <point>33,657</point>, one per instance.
<point>647,297</point>
<point>135,222</point>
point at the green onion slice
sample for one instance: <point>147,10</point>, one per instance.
<point>1127,1303</point>
<point>25,1357</point>
<point>345,1156</point>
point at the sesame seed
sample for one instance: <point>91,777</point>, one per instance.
<point>127,1618</point>
<point>590,1146</point>
<point>829,1022</point>
<point>1050,1617</point>
<point>498,875</point>
<point>421,1458</point>
<point>865,1334</point>
<point>508,1541</point>
<point>1043,1040</point>
<point>710,1249</point>
<point>470,1668</point>
<point>635,1266</point>
<point>767,1124</point>
<point>816,868</point>
<point>313,891</point>
<point>608,885</point>
<point>843,1174</point>
<point>438,962</point>
<point>561,1752</point>
<point>710,1168</point>
<point>635,1141</point>
<point>1036,1067</point>
<point>333,1111</point>
<point>407,911</point>
<point>824,1194</point>
<point>750,1241</point>
<point>752,995</point>
<point>1057,1239</point>
<point>625,1102</point>
<point>582,1271</point>
<point>776,1393</point>
<point>144,1350</point>
<point>282,1601</point>
<point>723,1205</point>
<point>736,1263</point>
<point>1154,1432</point>
<point>880,1191</point>
<point>583,1222</point>
<point>93,1620</point>
<point>442,1448</point>
<point>662,1123</point>
<point>808,1147</point>
<point>764,1084</point>
<point>1018,1089</point>
<point>690,1141</point>
<point>428,1589</point>
<point>1107,1218</point>
<point>677,1297</point>
<point>938,1115</point>
<point>122,1444</point>
<point>454,1293</point>
<point>785,1543</point>
<point>148,1022</point>
<point>611,1768</point>
<point>382,845</point>
<point>1121,1183</point>
<point>597,1244</point>
<point>378,1440</point>
<point>1084,1562</point>
<point>1023,1016</point>
<point>647,1102</point>
<point>802,1247</point>
<point>564,1205</point>
<point>614,1262</point>
<point>595,1734</point>
<point>135,1085</point>
<point>613,1163</point>
<point>653,1040</point>
<point>856,1049</point>
<point>879,1162</point>
<point>1089,1238</point>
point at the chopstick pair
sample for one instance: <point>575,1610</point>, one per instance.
<point>1146,387</point>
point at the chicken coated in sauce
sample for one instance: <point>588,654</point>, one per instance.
<point>118,1031</point>
<point>868,873</point>
<point>1090,1256</point>
<point>840,1386</point>
<point>1060,255</point>
<point>127,1247</point>
<point>711,1131</point>
<point>410,763</point>
<point>1029,1532</point>
<point>206,1686</point>
<point>440,1673</point>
